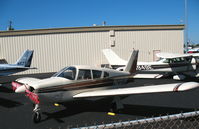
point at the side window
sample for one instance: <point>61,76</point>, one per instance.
<point>106,74</point>
<point>170,61</point>
<point>188,59</point>
<point>84,74</point>
<point>96,74</point>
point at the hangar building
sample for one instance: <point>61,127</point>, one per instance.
<point>59,47</point>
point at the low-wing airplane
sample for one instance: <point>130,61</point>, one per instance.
<point>22,64</point>
<point>86,82</point>
<point>179,66</point>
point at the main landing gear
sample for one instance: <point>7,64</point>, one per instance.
<point>116,105</point>
<point>36,116</point>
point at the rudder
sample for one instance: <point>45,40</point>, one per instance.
<point>26,59</point>
<point>132,63</point>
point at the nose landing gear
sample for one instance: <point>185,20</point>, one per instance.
<point>36,116</point>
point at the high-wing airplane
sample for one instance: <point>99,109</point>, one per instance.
<point>22,64</point>
<point>86,82</point>
<point>179,66</point>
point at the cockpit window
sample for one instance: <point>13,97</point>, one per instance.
<point>84,74</point>
<point>68,73</point>
<point>160,59</point>
<point>167,61</point>
<point>96,74</point>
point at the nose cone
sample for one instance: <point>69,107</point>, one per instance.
<point>21,89</point>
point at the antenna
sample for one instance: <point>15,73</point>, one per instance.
<point>103,23</point>
<point>10,26</point>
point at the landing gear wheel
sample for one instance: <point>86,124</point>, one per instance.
<point>36,117</point>
<point>113,108</point>
<point>116,105</point>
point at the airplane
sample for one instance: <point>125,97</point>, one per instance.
<point>22,64</point>
<point>180,66</point>
<point>86,82</point>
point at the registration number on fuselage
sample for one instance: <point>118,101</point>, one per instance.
<point>144,67</point>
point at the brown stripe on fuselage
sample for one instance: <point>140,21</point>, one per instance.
<point>77,85</point>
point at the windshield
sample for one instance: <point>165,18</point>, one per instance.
<point>68,73</point>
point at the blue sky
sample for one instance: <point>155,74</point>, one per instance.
<point>37,14</point>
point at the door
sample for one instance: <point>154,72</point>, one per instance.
<point>155,58</point>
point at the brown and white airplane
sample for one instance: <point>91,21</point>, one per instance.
<point>81,82</point>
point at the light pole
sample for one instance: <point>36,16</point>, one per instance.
<point>186,26</point>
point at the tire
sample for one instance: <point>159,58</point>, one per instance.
<point>36,117</point>
<point>113,108</point>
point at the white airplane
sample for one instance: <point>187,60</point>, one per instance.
<point>86,82</point>
<point>179,66</point>
<point>22,64</point>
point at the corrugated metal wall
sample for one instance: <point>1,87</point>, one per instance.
<point>148,41</point>
<point>54,51</point>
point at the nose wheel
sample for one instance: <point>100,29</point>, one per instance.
<point>36,116</point>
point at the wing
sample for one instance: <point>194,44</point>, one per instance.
<point>172,55</point>
<point>139,90</point>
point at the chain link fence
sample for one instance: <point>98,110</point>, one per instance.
<point>189,120</point>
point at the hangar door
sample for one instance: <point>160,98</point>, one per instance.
<point>155,58</point>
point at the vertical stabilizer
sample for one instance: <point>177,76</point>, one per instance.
<point>132,63</point>
<point>113,58</point>
<point>26,59</point>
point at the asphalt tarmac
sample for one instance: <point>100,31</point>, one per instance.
<point>16,109</point>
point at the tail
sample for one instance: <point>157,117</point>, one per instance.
<point>113,58</point>
<point>26,59</point>
<point>132,63</point>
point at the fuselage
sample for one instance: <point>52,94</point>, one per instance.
<point>66,83</point>
<point>172,66</point>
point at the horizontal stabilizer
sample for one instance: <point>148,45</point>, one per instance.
<point>113,58</point>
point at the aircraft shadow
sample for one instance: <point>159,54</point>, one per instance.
<point>5,89</point>
<point>9,103</point>
<point>73,108</point>
<point>104,106</point>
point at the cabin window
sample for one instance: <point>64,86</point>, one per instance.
<point>178,60</point>
<point>188,59</point>
<point>84,74</point>
<point>106,74</point>
<point>96,74</point>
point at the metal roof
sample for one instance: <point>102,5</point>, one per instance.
<point>90,29</point>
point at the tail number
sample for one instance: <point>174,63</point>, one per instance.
<point>144,67</point>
